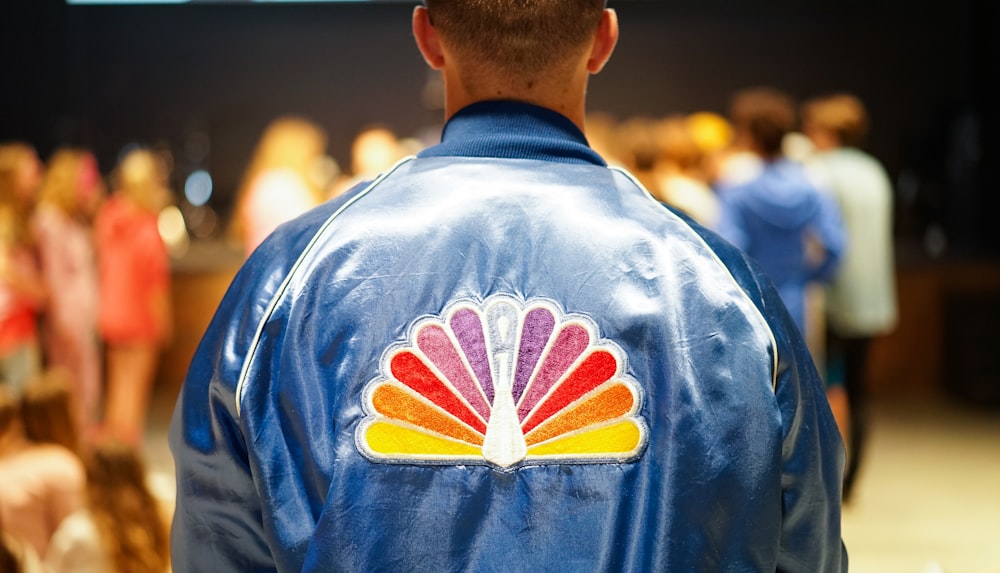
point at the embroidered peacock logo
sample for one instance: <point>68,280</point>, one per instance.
<point>506,383</point>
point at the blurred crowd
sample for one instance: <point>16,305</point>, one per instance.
<point>84,291</point>
<point>85,285</point>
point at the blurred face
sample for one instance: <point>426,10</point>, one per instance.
<point>90,189</point>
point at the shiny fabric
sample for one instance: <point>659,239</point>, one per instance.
<point>739,468</point>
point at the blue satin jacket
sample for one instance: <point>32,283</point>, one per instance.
<point>503,355</point>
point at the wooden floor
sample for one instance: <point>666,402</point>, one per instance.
<point>928,497</point>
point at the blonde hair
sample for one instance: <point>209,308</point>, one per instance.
<point>131,528</point>
<point>374,150</point>
<point>15,209</point>
<point>141,176</point>
<point>288,142</point>
<point>63,179</point>
<point>711,132</point>
<point>47,410</point>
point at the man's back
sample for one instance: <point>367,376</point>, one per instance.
<point>505,356</point>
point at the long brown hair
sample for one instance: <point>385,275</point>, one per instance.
<point>9,560</point>
<point>132,530</point>
<point>48,412</point>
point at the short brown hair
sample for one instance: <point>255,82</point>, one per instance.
<point>841,114</point>
<point>766,114</point>
<point>518,38</point>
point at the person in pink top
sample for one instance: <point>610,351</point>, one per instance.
<point>71,192</point>
<point>134,278</point>
<point>42,483</point>
<point>22,292</point>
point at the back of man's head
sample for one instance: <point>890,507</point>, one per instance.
<point>517,39</point>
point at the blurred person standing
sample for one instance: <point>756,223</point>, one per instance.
<point>134,297</point>
<point>503,355</point>
<point>280,181</point>
<point>40,482</point>
<point>120,529</point>
<point>71,193</point>
<point>681,172</point>
<point>22,290</point>
<point>861,300</point>
<point>779,217</point>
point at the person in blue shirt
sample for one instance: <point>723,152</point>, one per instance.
<point>778,215</point>
<point>503,355</point>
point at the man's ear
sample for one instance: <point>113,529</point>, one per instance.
<point>427,38</point>
<point>604,41</point>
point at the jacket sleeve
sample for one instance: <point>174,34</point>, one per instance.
<point>218,524</point>
<point>812,453</point>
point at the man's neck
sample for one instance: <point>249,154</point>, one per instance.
<point>568,100</point>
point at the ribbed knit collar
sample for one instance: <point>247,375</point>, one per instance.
<point>513,130</point>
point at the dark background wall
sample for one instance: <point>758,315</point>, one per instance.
<point>106,76</point>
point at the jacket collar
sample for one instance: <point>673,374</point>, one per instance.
<point>513,130</point>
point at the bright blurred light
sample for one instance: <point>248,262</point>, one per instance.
<point>198,187</point>
<point>173,231</point>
